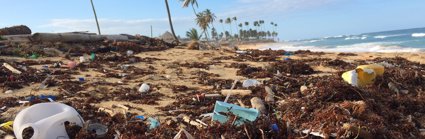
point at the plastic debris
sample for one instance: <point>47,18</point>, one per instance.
<point>153,123</point>
<point>241,52</point>
<point>270,95</point>
<point>140,117</point>
<point>7,125</point>
<point>71,64</point>
<point>34,56</point>
<point>47,120</point>
<point>144,88</point>
<point>82,59</point>
<point>275,127</point>
<point>250,82</point>
<point>363,75</point>
<point>258,104</point>
<point>130,53</point>
<point>92,56</point>
<point>244,114</point>
<point>81,79</point>
<point>101,130</point>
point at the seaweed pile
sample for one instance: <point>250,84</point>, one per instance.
<point>303,106</point>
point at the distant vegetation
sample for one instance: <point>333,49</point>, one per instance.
<point>236,29</point>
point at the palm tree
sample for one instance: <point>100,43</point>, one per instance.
<point>204,19</point>
<point>240,29</point>
<point>256,24</point>
<point>171,22</point>
<point>95,16</point>
<point>222,25</point>
<point>193,34</point>
<point>229,21</point>
<point>186,4</point>
<point>202,23</point>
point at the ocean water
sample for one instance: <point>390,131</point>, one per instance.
<point>407,40</point>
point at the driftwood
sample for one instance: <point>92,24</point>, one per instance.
<point>194,123</point>
<point>66,37</point>
<point>17,38</point>
<point>9,67</point>
<point>236,92</point>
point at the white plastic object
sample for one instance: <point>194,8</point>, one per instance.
<point>130,53</point>
<point>47,120</point>
<point>144,88</point>
<point>82,59</point>
<point>250,82</point>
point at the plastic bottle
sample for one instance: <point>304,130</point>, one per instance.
<point>47,120</point>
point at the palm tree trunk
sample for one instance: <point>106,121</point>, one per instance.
<point>194,11</point>
<point>171,22</point>
<point>95,16</point>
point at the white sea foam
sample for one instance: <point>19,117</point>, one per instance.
<point>418,35</point>
<point>352,38</point>
<point>362,47</point>
<point>388,36</point>
<point>380,37</point>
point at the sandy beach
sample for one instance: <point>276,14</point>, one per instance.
<point>177,76</point>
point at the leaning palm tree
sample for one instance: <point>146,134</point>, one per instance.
<point>193,3</point>
<point>203,23</point>
<point>95,16</point>
<point>229,21</point>
<point>204,19</point>
<point>235,19</point>
<point>171,22</point>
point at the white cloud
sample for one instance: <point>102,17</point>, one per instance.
<point>116,26</point>
<point>261,8</point>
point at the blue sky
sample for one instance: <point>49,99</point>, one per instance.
<point>297,19</point>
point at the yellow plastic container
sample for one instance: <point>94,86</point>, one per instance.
<point>379,69</point>
<point>363,75</point>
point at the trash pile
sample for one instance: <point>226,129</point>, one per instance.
<point>381,98</point>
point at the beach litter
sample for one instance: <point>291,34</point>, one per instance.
<point>45,120</point>
<point>243,114</point>
<point>363,75</point>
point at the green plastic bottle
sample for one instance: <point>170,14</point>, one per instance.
<point>92,56</point>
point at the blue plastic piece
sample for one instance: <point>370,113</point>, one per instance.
<point>81,79</point>
<point>244,114</point>
<point>275,128</point>
<point>140,117</point>
<point>41,97</point>
<point>153,123</point>
<point>287,59</point>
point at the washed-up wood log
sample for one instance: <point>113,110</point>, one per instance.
<point>15,30</point>
<point>116,37</point>
<point>258,104</point>
<point>9,67</point>
<point>17,38</point>
<point>66,37</point>
<point>269,95</point>
<point>236,92</point>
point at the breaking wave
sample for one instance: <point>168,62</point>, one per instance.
<point>417,35</point>
<point>361,47</point>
